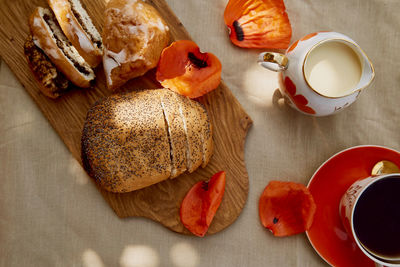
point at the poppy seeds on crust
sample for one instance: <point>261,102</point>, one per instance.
<point>127,143</point>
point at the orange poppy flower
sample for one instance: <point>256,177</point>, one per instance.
<point>185,70</point>
<point>258,23</point>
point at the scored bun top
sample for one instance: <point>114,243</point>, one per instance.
<point>79,29</point>
<point>133,140</point>
<point>170,102</point>
<point>134,35</point>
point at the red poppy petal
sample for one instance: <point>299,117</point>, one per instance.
<point>286,208</point>
<point>191,210</point>
<point>201,203</point>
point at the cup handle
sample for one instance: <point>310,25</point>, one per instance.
<point>384,167</point>
<point>273,61</point>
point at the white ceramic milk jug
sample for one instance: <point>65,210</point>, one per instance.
<point>322,73</point>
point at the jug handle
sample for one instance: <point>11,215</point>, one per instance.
<point>273,61</point>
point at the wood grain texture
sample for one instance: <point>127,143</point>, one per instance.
<point>159,202</point>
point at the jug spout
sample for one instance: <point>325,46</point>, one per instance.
<point>367,73</point>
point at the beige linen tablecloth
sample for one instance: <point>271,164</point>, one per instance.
<point>51,214</point>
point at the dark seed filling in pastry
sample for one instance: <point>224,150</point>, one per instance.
<point>62,41</point>
<point>44,70</point>
<point>86,23</point>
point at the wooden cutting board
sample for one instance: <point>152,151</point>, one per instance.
<point>159,202</point>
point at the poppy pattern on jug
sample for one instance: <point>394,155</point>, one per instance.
<point>305,38</point>
<point>299,100</point>
<point>308,36</point>
<point>293,46</point>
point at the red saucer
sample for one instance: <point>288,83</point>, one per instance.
<point>327,186</point>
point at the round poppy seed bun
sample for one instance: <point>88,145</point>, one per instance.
<point>134,35</point>
<point>79,29</point>
<point>125,143</point>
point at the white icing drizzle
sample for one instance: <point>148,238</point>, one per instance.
<point>36,22</point>
<point>49,43</point>
<point>118,57</point>
<point>52,53</point>
<point>36,42</point>
<point>84,41</point>
<point>144,31</point>
<point>135,29</point>
<point>112,60</point>
<point>109,64</point>
<point>127,10</point>
<point>160,25</point>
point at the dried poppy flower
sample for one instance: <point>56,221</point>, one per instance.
<point>286,208</point>
<point>185,70</point>
<point>201,203</point>
<point>258,23</point>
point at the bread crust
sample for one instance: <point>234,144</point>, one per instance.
<point>134,35</point>
<point>206,132</point>
<point>192,120</point>
<point>43,38</point>
<point>52,83</point>
<point>177,134</point>
<point>125,144</point>
<point>75,33</point>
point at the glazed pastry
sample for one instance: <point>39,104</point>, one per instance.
<point>47,35</point>
<point>134,36</point>
<point>79,29</point>
<point>51,82</point>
